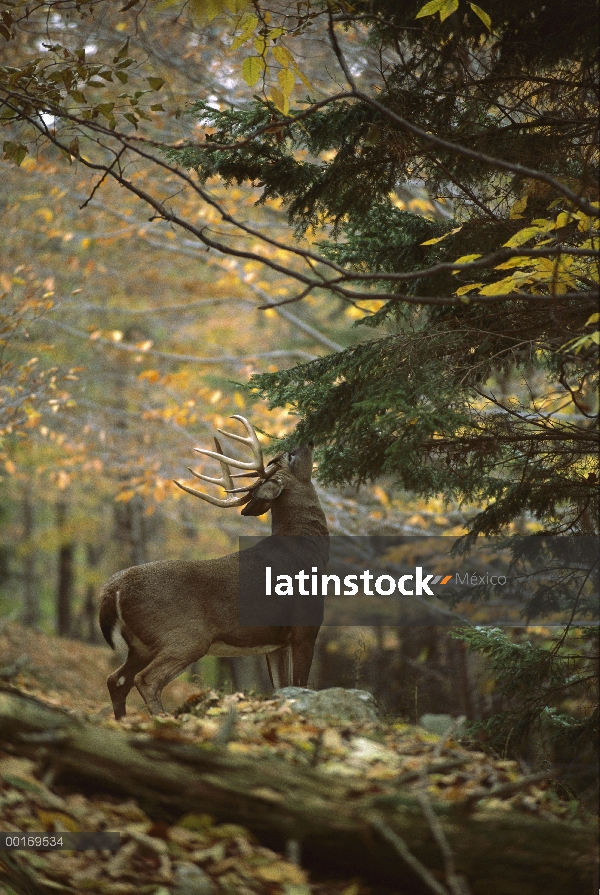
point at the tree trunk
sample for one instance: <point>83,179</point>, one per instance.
<point>340,824</point>
<point>31,602</point>
<point>89,620</point>
<point>64,589</point>
<point>131,530</point>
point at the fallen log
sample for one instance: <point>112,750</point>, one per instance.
<point>341,827</point>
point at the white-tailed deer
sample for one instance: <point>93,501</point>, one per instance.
<point>170,614</point>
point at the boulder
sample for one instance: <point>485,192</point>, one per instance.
<point>335,703</point>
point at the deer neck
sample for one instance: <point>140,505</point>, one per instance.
<point>298,513</point>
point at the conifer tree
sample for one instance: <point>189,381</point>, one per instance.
<point>477,380</point>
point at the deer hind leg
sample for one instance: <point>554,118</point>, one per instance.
<point>163,668</point>
<point>278,663</point>
<point>121,681</point>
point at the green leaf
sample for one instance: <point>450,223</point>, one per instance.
<point>106,109</point>
<point>16,152</point>
<point>132,118</point>
<point>122,76</point>
<point>122,52</point>
<point>482,14</point>
<point>156,83</point>
<point>252,69</point>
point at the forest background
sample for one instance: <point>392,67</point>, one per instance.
<point>429,174</point>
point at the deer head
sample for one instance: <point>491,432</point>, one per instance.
<point>289,471</point>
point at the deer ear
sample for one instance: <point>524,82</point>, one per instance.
<point>262,498</point>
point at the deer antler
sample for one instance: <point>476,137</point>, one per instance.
<point>255,468</point>
<point>256,464</point>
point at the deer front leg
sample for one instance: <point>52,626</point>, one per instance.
<point>303,647</point>
<point>278,663</point>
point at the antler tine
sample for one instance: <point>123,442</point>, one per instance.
<point>205,478</point>
<point>251,440</point>
<point>225,481</point>
<point>216,501</point>
<point>237,464</point>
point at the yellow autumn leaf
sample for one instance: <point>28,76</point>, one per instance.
<point>464,289</point>
<point>430,8</point>
<point>381,496</point>
<point>33,417</point>
<point>260,45</point>
<point>517,261</point>
<point>527,233</point>
<point>281,872</point>
<point>563,219</point>
<point>58,821</point>
<point>431,242</point>
<point>282,55</point>
<point>46,213</point>
<point>286,81</point>
<point>441,6</point>
<point>593,319</point>
<point>448,8</point>
<point>482,14</point>
<point>281,101</point>
<point>519,206</point>
<point>465,259</point>
<point>252,69</point>
<point>149,375</point>
<point>206,10</point>
<point>503,287</point>
<point>124,496</point>
<point>301,75</point>
<point>247,25</point>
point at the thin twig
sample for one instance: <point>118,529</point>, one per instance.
<point>400,847</point>
<point>457,884</point>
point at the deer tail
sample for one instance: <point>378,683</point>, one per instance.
<point>109,612</point>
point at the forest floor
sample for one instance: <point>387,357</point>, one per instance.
<point>72,673</point>
<point>196,855</point>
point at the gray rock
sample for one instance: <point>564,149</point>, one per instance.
<point>192,880</point>
<point>336,702</point>
<point>441,724</point>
